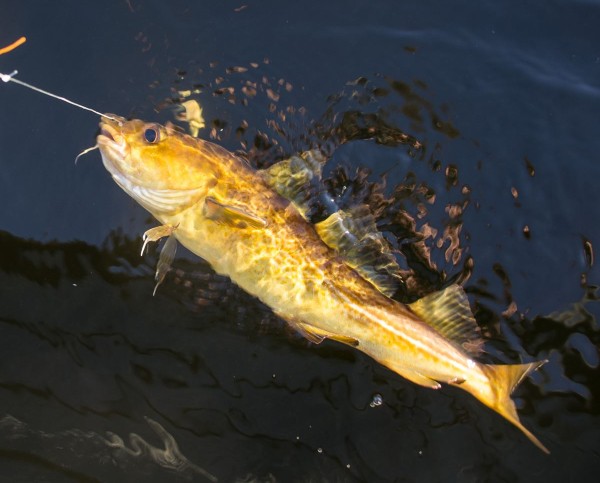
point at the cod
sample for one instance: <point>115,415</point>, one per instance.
<point>328,272</point>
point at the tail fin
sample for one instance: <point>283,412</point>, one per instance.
<point>504,379</point>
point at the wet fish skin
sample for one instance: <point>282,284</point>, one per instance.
<point>226,213</point>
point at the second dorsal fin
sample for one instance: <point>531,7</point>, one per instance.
<point>449,313</point>
<point>352,233</point>
<point>355,236</point>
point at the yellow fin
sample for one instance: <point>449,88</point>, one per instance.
<point>449,313</point>
<point>156,233</point>
<point>418,378</point>
<point>165,259</point>
<point>316,335</point>
<point>298,179</point>
<point>231,215</point>
<point>505,378</point>
<point>354,235</point>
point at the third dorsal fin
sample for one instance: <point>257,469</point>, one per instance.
<point>448,312</point>
<point>355,236</point>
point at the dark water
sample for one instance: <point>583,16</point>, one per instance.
<point>484,120</point>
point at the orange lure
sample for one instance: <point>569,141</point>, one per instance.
<point>13,46</point>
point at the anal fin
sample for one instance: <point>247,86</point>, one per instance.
<point>418,378</point>
<point>317,335</point>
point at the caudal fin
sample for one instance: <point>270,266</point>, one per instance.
<point>504,379</point>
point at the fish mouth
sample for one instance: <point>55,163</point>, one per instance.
<point>115,156</point>
<point>110,133</point>
<point>113,147</point>
<point>119,162</point>
<point>107,133</point>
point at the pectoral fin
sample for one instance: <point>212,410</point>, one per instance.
<point>316,335</point>
<point>231,215</point>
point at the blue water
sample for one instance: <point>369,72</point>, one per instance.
<point>506,95</point>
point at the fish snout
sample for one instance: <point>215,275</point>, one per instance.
<point>112,118</point>
<point>113,147</point>
<point>109,133</point>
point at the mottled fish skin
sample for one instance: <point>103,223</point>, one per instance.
<point>272,252</point>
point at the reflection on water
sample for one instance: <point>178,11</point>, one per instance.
<point>170,457</point>
<point>76,453</point>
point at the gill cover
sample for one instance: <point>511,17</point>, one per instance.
<point>132,153</point>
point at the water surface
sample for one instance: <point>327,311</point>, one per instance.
<point>499,104</point>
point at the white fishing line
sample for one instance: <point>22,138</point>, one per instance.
<point>11,78</point>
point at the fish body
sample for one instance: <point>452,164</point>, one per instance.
<point>228,213</point>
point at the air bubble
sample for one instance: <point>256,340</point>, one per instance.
<point>376,401</point>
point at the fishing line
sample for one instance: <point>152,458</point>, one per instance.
<point>10,78</point>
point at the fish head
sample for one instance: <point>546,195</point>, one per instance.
<point>156,165</point>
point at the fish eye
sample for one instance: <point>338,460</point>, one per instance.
<point>151,135</point>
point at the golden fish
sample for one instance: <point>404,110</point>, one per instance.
<point>311,275</point>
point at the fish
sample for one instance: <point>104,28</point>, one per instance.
<point>327,272</point>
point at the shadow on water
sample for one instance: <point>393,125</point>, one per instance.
<point>225,385</point>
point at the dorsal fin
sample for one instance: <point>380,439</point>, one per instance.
<point>298,179</point>
<point>355,236</point>
<point>449,313</point>
<point>352,233</point>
